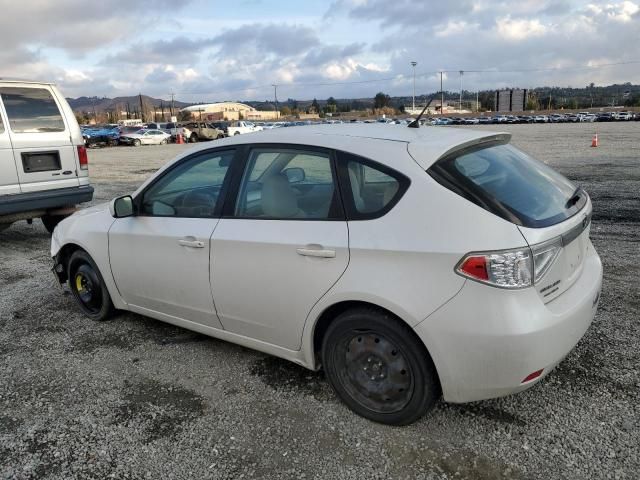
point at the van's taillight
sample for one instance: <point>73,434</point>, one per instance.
<point>83,158</point>
<point>505,269</point>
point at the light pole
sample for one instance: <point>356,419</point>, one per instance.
<point>413,64</point>
<point>460,103</point>
<point>275,94</point>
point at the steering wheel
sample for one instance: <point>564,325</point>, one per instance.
<point>198,198</point>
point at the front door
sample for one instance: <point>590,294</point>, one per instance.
<point>44,154</point>
<point>283,247</point>
<point>160,256</point>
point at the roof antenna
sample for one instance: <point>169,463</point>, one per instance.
<point>416,122</point>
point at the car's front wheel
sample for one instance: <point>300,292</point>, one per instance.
<point>88,287</point>
<point>378,367</point>
<point>137,143</point>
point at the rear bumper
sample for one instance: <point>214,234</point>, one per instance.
<point>486,341</point>
<point>44,200</point>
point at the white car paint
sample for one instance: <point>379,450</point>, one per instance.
<point>240,127</point>
<point>146,137</point>
<point>263,295</point>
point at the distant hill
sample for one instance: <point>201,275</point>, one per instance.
<point>88,104</point>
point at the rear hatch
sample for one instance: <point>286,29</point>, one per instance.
<point>44,152</point>
<point>552,214</point>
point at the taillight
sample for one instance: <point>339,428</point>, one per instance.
<point>83,157</point>
<point>518,268</point>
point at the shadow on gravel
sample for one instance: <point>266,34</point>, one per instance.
<point>488,413</point>
<point>282,375</point>
<point>157,409</point>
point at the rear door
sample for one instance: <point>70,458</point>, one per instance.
<point>282,246</point>
<point>8,173</point>
<point>44,154</point>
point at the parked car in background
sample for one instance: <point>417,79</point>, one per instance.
<point>145,137</point>
<point>44,168</point>
<point>241,127</point>
<point>317,245</point>
<point>101,134</point>
<point>541,119</point>
<point>202,131</point>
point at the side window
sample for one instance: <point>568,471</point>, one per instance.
<point>191,189</point>
<point>31,110</point>
<point>373,189</point>
<point>288,184</point>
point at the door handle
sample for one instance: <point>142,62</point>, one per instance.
<point>313,252</point>
<point>188,242</point>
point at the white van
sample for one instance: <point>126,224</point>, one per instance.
<point>44,170</point>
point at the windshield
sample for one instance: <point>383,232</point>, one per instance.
<point>511,184</point>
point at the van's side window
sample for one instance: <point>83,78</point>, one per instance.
<point>31,110</point>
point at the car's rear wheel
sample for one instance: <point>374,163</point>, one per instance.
<point>193,138</point>
<point>50,221</point>
<point>163,142</point>
<point>378,367</point>
<point>88,287</point>
<point>137,143</point>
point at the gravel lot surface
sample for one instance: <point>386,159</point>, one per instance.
<point>136,398</point>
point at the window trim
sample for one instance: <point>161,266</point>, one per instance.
<point>217,213</point>
<point>9,127</point>
<point>343,159</point>
<point>337,203</point>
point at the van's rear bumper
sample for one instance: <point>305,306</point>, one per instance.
<point>45,200</point>
<point>486,341</point>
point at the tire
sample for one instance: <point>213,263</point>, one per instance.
<point>220,137</point>
<point>137,143</point>
<point>378,367</point>
<point>88,288</point>
<point>237,133</point>
<point>50,221</point>
<point>193,138</point>
<point>163,142</point>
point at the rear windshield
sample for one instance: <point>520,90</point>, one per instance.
<point>511,184</point>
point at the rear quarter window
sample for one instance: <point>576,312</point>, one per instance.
<point>31,110</point>
<point>511,184</point>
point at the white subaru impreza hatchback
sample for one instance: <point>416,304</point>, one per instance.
<point>406,262</point>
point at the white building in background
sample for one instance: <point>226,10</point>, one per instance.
<point>229,111</point>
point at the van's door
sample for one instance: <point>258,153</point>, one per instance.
<point>8,174</point>
<point>45,156</point>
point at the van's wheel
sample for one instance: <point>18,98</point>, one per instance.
<point>50,221</point>
<point>87,287</point>
<point>237,133</point>
<point>137,143</point>
<point>379,367</point>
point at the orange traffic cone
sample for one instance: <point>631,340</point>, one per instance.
<point>594,140</point>
<point>179,139</point>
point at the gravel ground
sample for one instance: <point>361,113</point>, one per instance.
<point>136,398</point>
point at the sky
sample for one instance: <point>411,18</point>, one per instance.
<point>210,50</point>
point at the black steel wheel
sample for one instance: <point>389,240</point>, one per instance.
<point>87,287</point>
<point>378,367</point>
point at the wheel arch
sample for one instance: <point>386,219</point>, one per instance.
<point>330,313</point>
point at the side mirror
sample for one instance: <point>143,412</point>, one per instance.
<point>121,207</point>
<point>295,174</point>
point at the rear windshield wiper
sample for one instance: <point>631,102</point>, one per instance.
<point>574,198</point>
